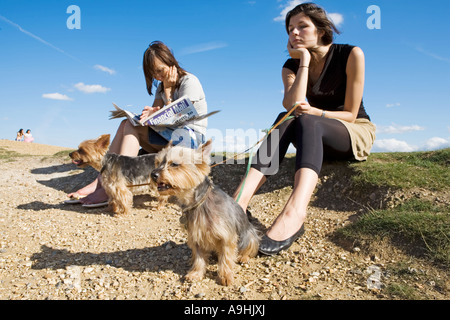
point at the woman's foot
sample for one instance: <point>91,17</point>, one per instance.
<point>285,226</point>
<point>85,191</point>
<point>271,247</point>
<point>286,229</point>
<point>99,196</point>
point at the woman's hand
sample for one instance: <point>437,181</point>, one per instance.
<point>148,111</point>
<point>170,79</point>
<point>299,53</point>
<point>303,107</point>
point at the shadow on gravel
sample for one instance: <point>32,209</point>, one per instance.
<point>54,169</point>
<point>168,256</point>
<point>143,201</point>
<point>69,183</point>
<point>42,206</point>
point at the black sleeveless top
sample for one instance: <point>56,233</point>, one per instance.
<point>328,93</point>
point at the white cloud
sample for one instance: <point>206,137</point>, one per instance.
<point>390,105</point>
<point>337,18</point>
<point>203,47</point>
<point>437,143</point>
<point>56,96</point>
<point>286,8</point>
<point>393,145</point>
<point>104,69</point>
<point>91,88</point>
<point>396,129</point>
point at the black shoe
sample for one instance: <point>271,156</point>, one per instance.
<point>271,247</point>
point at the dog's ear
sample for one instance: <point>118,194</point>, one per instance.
<point>103,141</point>
<point>170,144</point>
<point>204,151</point>
<point>206,148</point>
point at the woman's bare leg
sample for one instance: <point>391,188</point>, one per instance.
<point>254,180</point>
<point>294,213</point>
<point>113,148</point>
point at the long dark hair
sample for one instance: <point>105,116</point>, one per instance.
<point>163,53</point>
<point>318,16</point>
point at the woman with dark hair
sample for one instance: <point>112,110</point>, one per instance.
<point>19,135</point>
<point>163,71</point>
<point>28,137</point>
<point>324,82</point>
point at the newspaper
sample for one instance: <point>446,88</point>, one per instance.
<point>171,115</point>
<point>178,114</point>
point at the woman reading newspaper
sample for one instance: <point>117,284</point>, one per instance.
<point>173,82</point>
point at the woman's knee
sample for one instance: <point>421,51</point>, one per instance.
<point>305,119</point>
<point>121,126</point>
<point>129,128</point>
<point>307,122</point>
<point>279,117</point>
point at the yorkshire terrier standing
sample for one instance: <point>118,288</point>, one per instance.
<point>214,221</point>
<point>123,176</point>
<point>120,175</point>
<point>91,152</point>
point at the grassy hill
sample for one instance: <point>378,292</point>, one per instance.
<point>402,198</point>
<point>419,218</point>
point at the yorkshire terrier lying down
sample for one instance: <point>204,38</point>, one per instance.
<point>214,221</point>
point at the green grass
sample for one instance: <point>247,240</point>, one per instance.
<point>402,291</point>
<point>418,226</point>
<point>428,170</point>
<point>12,155</point>
<point>63,154</point>
<point>9,155</point>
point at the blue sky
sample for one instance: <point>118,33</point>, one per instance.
<point>61,82</point>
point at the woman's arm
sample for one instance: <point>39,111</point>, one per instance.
<point>355,82</point>
<point>353,96</point>
<point>295,84</point>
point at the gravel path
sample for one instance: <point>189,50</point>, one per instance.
<point>49,250</point>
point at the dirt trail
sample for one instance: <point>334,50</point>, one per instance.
<point>49,250</point>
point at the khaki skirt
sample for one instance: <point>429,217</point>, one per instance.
<point>362,134</point>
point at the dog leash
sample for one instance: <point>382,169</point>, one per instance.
<point>286,117</point>
<point>269,131</point>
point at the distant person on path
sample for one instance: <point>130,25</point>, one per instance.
<point>19,136</point>
<point>324,82</point>
<point>28,136</point>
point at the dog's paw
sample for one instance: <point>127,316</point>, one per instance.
<point>194,276</point>
<point>226,280</point>
<point>244,259</point>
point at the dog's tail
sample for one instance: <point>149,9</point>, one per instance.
<point>249,243</point>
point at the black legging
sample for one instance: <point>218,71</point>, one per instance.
<point>314,137</point>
